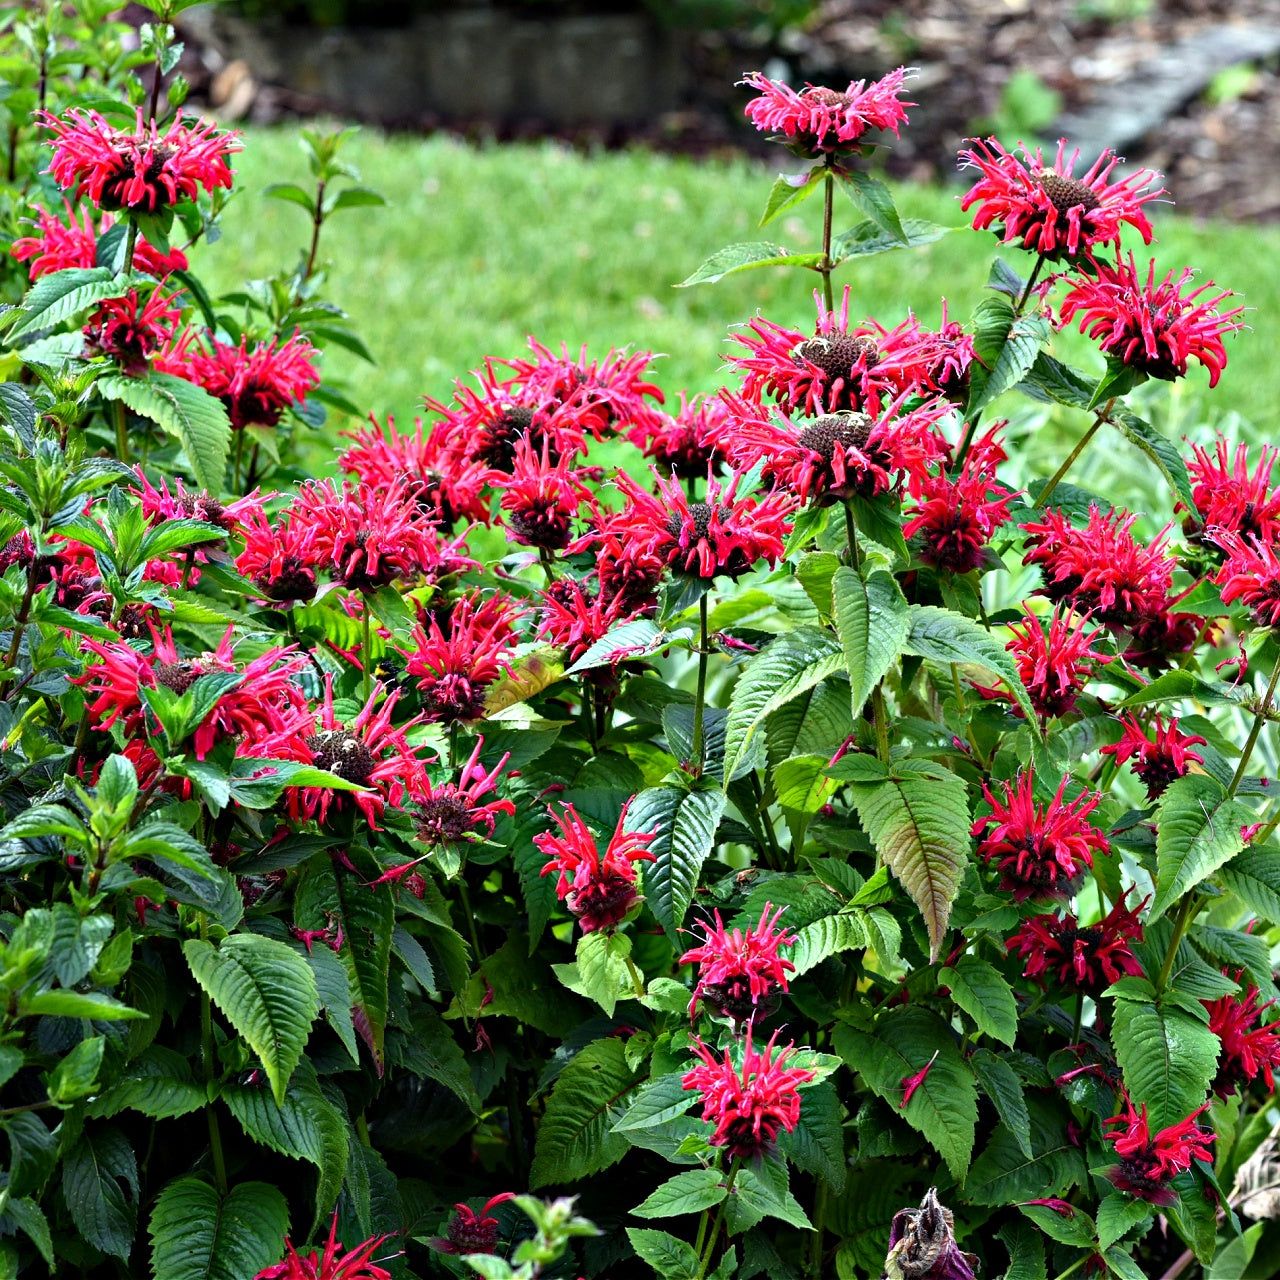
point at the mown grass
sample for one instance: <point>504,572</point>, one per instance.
<point>481,247</point>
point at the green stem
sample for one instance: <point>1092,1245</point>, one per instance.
<point>366,655</point>
<point>881,723</point>
<point>237,463</point>
<point>20,620</point>
<point>1186,914</point>
<point>210,1075</point>
<point>130,244</point>
<point>453,746</point>
<point>828,198</point>
<point>1098,420</point>
<point>700,698</point>
<point>1031,282</point>
<point>637,981</point>
<point>715,1226</point>
<point>122,433</point>
<point>471,919</point>
<point>819,1214</point>
<point>1259,719</point>
<point>1074,1267</point>
<point>1079,1018</point>
<point>851,532</point>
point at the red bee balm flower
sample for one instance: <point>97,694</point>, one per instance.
<point>1251,575</point>
<point>257,384</point>
<point>1228,497</point>
<point>355,1265</point>
<point>539,500</point>
<point>750,1105</point>
<point>470,1231</point>
<point>574,617</point>
<point>1043,852</point>
<point>1147,1165</point>
<point>131,330</point>
<point>1246,1054</point>
<point>689,444</point>
<point>602,889</point>
<point>723,536</point>
<point>118,169</point>
<point>1153,328</point>
<point>281,558</point>
<point>741,973</point>
<point>1084,958</point>
<point>1049,210</point>
<point>817,121</point>
<point>455,665</point>
<point>449,812</point>
<point>58,245</point>
<point>1157,763</point>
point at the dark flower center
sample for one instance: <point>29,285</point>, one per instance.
<point>472,1234</point>
<point>340,752</point>
<point>497,445</point>
<point>444,819</point>
<point>541,524</point>
<point>733,999</point>
<point>698,523</point>
<point>837,355</point>
<point>203,506</point>
<point>843,430</point>
<point>295,581</point>
<point>178,676</point>
<point>1067,193</point>
<point>828,97</point>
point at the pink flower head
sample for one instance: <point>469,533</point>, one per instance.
<point>1049,210</point>
<point>354,1265</point>
<point>1054,664</point>
<point>839,455</point>
<point>817,122</point>
<point>1043,851</point>
<point>1101,569</point>
<point>574,617</point>
<point>606,396</point>
<point>450,813</point>
<point>1153,328</point>
<point>539,499</point>
<point>741,973</point>
<point>1251,574</point>
<point>1148,1164</point>
<point>256,384</point>
<point>1163,633</point>
<point>1246,1054</point>
<point>748,1105</point>
<point>628,573</point>
<point>955,516</point>
<point>725,535</point>
<point>282,556</point>
<point>441,478</point>
<point>1228,496</point>
<point>455,664</point>
<point>470,1231</point>
<point>174,501</point>
<point>1085,958</point>
<point>59,245</point>
<point>131,330</point>
<point>689,444</point>
<point>600,889</point>
<point>1157,763</point>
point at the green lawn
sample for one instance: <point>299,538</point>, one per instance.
<point>481,247</point>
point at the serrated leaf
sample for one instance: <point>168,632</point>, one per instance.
<point>942,635</point>
<point>816,1144</point>
<point>919,823</point>
<point>576,1138</point>
<point>636,639</point>
<point>789,190</point>
<point>984,995</point>
<point>600,970</point>
<point>1161,450</point>
<point>1117,1215</point>
<point>874,199</point>
<point>826,937</point>
<point>1168,1058</point>
<point>656,1102</point>
<point>100,1186</point>
<point>197,420</point>
<point>1000,1083</point>
<point>198,1235</point>
<point>671,1258</point>
<point>1026,1251</point>
<point>788,666</point>
<point>159,1083</point>
<point>761,1191</point>
<point>62,294</point>
<point>266,991</point>
<point>1007,345</point>
<point>1005,1173</point>
<point>744,257</point>
<point>685,824</point>
<point>1254,877</point>
<point>944,1106</point>
<point>688,1192</point>
<point>868,237</point>
<point>873,620</point>
<point>1198,831</point>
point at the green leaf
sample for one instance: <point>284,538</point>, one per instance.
<point>762,1192</point>
<point>875,200</point>
<point>789,190</point>
<point>100,1186</point>
<point>671,1258</point>
<point>1026,1251</point>
<point>868,237</point>
<point>356,198</point>
<point>635,639</point>
<point>685,1193</point>
<point>1118,1214</point>
<point>1123,1267</point>
<point>656,1102</point>
<point>431,1051</point>
<point>600,971</point>
<point>294,194</point>
<point>62,294</point>
<point>944,1107</point>
<point>198,1235</point>
<point>984,995</point>
<point>1198,832</point>
<point>306,1127</point>
<point>197,420</point>
<point>159,1083</point>
<point>1077,1230</point>
<point>873,620</point>
<point>685,823</point>
<point>918,820</point>
<point>827,937</point>
<point>788,666</point>
<point>266,991</point>
<point>1254,877</point>
<point>1168,1058</point>
<point>25,1215</point>
<point>76,1075</point>
<point>71,1004</point>
<point>1005,1173</point>
<point>743,257</point>
<point>576,1138</point>
<point>1161,450</point>
<point>816,1144</point>
<point>1007,346</point>
<point>944,636</point>
<point>1000,1083</point>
